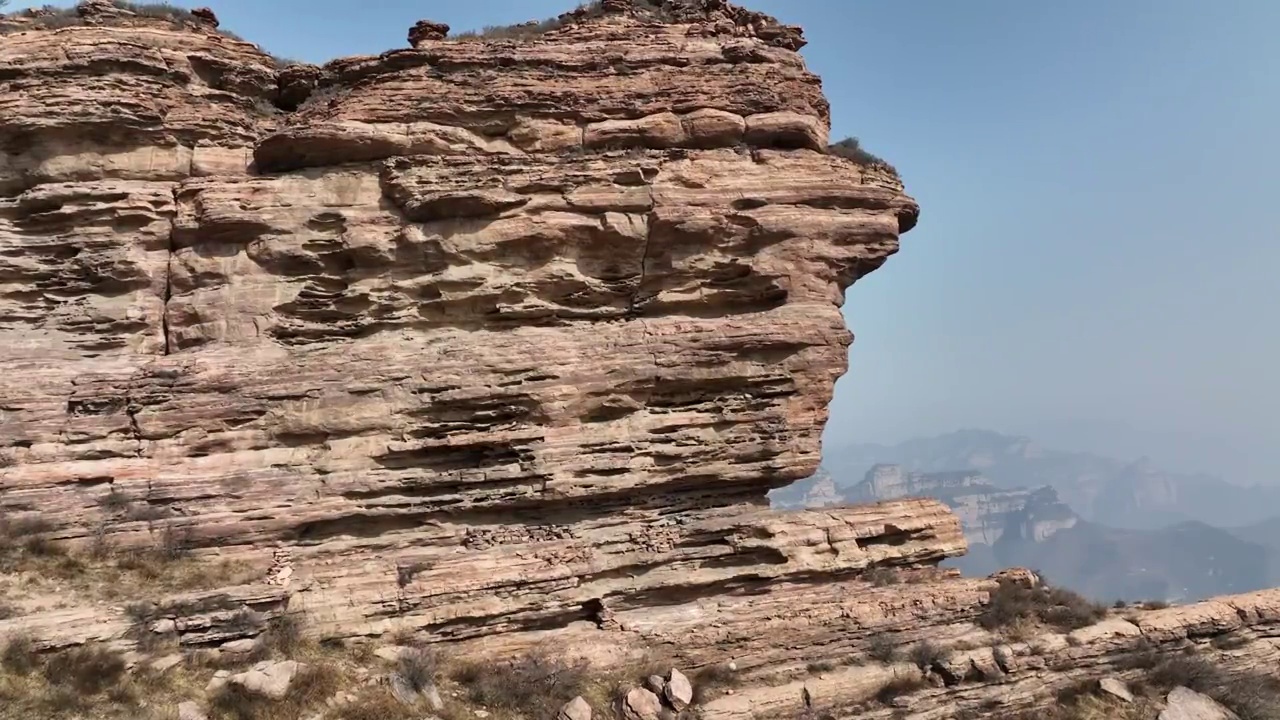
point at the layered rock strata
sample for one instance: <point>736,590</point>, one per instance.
<point>537,313</point>
<point>483,340</point>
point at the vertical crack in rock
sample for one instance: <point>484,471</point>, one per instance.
<point>650,221</point>
<point>168,272</point>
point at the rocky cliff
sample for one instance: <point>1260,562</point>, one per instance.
<point>483,341</point>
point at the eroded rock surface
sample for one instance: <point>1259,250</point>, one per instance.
<point>483,336</point>
<point>483,341</point>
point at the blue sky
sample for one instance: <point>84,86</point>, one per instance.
<point>1097,258</point>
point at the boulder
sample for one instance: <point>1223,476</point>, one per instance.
<point>189,710</point>
<point>679,691</point>
<point>1115,688</point>
<point>270,679</point>
<point>575,709</point>
<point>641,704</point>
<point>425,30</point>
<point>1187,704</point>
<point>205,16</point>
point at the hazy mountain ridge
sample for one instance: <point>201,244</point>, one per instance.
<point>1118,493</point>
<point>1108,528</point>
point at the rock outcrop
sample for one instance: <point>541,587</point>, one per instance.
<point>483,336</point>
<point>482,341</point>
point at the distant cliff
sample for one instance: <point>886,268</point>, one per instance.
<point>985,511</point>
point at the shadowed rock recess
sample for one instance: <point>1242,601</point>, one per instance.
<point>484,341</point>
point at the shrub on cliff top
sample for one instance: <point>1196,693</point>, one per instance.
<point>1014,602</point>
<point>534,28</point>
<point>851,148</point>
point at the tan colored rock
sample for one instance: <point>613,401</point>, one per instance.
<point>1186,704</point>
<point>575,709</point>
<point>1116,689</point>
<point>641,704</point>
<point>270,678</point>
<point>427,30</point>
<point>678,691</point>
<point>189,710</point>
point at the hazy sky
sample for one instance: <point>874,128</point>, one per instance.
<point>1096,263</point>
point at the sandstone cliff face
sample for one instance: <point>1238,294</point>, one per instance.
<point>482,341</point>
<point>462,328</point>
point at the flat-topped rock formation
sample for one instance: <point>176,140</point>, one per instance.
<point>481,341</point>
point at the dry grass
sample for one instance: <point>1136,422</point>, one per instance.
<point>86,681</point>
<point>535,684</point>
<point>712,680</point>
<point>378,704</point>
<point>308,691</point>
<point>33,564</point>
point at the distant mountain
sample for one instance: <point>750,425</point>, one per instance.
<point>985,510</point>
<point>1267,535</point>
<point>1008,527</point>
<point>1107,491</point>
<point>1184,562</point>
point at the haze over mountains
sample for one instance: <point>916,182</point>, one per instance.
<point>1108,528</point>
<point>1119,493</point>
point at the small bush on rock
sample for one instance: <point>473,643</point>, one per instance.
<point>882,648</point>
<point>1063,609</point>
<point>851,148</point>
<point>926,654</point>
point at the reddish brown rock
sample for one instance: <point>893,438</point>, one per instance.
<point>206,16</point>
<point>427,30</point>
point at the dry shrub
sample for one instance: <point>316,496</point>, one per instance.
<point>1063,609</point>
<point>851,148</point>
<point>285,635</point>
<point>926,654</point>
<point>418,667</point>
<point>535,684</point>
<point>882,648</point>
<point>19,655</point>
<point>1230,641</point>
<point>820,666</point>
<point>899,686</point>
<point>88,669</point>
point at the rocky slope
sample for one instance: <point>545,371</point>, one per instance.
<point>483,341</point>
